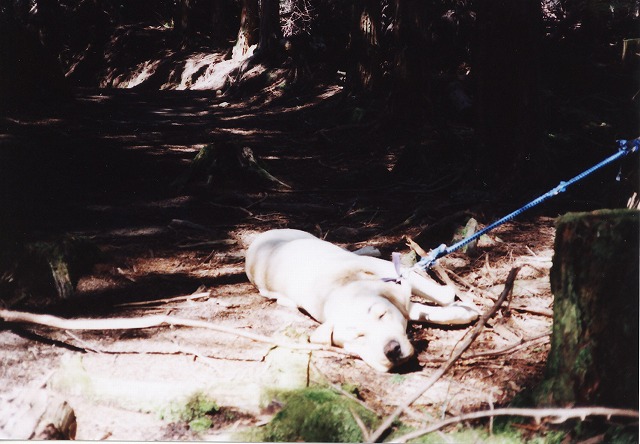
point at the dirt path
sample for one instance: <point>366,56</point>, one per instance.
<point>114,156</point>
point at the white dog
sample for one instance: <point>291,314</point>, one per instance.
<point>348,295</point>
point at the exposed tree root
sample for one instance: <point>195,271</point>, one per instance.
<point>18,317</point>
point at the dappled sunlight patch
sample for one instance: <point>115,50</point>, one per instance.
<point>137,76</point>
<point>198,67</point>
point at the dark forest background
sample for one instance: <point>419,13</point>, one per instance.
<point>512,95</point>
<point>517,72</point>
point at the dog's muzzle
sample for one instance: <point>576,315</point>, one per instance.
<point>393,351</point>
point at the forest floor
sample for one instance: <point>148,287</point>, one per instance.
<point>157,259</point>
<point>104,169</point>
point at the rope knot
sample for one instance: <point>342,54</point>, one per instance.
<point>629,145</point>
<point>430,259</point>
<point>561,188</point>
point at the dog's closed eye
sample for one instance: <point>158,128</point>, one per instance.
<point>377,311</point>
<point>352,333</point>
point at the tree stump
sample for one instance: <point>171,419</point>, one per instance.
<point>229,164</point>
<point>594,348</point>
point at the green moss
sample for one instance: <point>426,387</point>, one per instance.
<point>622,435</point>
<point>196,411</point>
<point>198,405</point>
<point>583,362</point>
<point>398,379</point>
<point>316,415</point>
<point>200,424</point>
<point>350,388</point>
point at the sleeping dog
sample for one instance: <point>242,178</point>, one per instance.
<point>351,296</point>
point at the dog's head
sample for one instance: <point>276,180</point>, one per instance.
<point>369,318</point>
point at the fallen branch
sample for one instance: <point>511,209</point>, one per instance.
<point>18,317</point>
<point>85,347</point>
<point>442,274</point>
<point>190,297</point>
<point>211,243</point>
<point>559,415</point>
<point>523,343</point>
<point>537,311</point>
<point>508,287</point>
<point>471,287</point>
<point>179,223</point>
<point>510,348</point>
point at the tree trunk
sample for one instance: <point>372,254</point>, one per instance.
<point>220,11</point>
<point>270,32</point>
<point>248,34</point>
<point>28,71</point>
<point>507,67</point>
<point>410,71</point>
<point>594,278</point>
<point>182,17</point>
<point>365,72</point>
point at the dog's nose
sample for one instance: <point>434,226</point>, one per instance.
<point>393,351</point>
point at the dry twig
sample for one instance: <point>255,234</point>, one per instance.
<point>522,343</point>
<point>361,425</point>
<point>508,286</point>
<point>510,348</point>
<point>559,415</point>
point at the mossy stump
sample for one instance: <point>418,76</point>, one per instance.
<point>594,347</point>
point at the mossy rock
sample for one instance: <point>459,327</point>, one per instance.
<point>316,415</point>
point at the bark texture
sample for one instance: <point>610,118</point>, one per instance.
<point>594,278</point>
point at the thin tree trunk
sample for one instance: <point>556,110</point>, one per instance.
<point>410,72</point>
<point>365,72</point>
<point>507,66</point>
<point>181,18</point>
<point>270,32</point>
<point>248,34</point>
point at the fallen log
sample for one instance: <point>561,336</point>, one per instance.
<point>36,413</point>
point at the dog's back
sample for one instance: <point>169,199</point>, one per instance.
<point>299,267</point>
<point>262,250</point>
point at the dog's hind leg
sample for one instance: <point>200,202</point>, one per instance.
<point>281,300</point>
<point>454,314</point>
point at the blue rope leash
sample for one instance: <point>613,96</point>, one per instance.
<point>624,147</point>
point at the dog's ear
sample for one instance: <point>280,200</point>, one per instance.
<point>323,334</point>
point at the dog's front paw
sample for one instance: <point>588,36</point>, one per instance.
<point>462,313</point>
